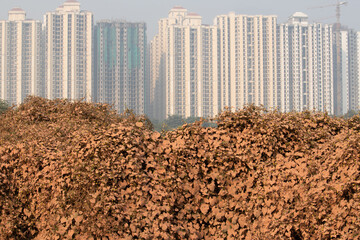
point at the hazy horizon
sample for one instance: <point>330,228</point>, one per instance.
<point>150,11</point>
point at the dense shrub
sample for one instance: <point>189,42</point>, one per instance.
<point>73,170</point>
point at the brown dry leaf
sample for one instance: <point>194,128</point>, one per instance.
<point>27,212</point>
<point>204,208</point>
<point>139,124</point>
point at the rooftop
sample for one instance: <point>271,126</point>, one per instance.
<point>17,9</point>
<point>193,14</point>
<point>299,14</point>
<point>178,7</point>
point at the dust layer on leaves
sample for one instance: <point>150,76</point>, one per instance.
<point>73,170</point>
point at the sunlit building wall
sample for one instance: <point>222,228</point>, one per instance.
<point>354,70</point>
<point>21,57</point>
<point>348,92</point>
<point>69,62</point>
<point>184,78</point>
<point>305,58</point>
<point>248,63</point>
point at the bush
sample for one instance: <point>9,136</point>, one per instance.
<point>3,106</point>
<point>73,170</point>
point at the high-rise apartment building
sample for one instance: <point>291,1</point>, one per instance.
<point>247,60</point>
<point>183,71</point>
<point>305,65</point>
<point>355,74</point>
<point>120,63</point>
<point>349,82</point>
<point>68,38</point>
<point>21,57</point>
<point>157,72</point>
<point>354,70</point>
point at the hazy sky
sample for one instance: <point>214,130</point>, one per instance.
<point>150,11</point>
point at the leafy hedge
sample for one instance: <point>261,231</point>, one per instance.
<point>73,170</point>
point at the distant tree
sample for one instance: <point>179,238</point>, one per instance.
<point>192,119</point>
<point>173,122</point>
<point>156,125</point>
<point>209,124</point>
<point>3,106</point>
<point>350,114</point>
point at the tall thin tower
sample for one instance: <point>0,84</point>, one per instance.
<point>68,37</point>
<point>184,61</point>
<point>338,96</point>
<point>338,85</point>
<point>119,56</point>
<point>21,56</point>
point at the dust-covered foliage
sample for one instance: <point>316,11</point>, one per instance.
<point>73,170</point>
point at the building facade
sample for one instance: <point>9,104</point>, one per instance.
<point>183,70</point>
<point>355,103</point>
<point>306,73</point>
<point>354,70</point>
<point>120,64</point>
<point>21,57</point>
<point>247,61</point>
<point>157,72</point>
<point>68,54</point>
<point>349,66</point>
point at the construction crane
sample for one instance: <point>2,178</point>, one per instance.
<point>338,8</point>
<point>338,85</point>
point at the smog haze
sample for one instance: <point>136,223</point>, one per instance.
<point>150,11</point>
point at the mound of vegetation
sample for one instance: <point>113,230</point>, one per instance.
<point>73,170</point>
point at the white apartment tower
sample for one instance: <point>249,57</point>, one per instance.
<point>119,54</point>
<point>247,60</point>
<point>352,73</point>
<point>68,37</point>
<point>355,103</point>
<point>354,70</point>
<point>349,82</point>
<point>305,65</point>
<point>21,58</point>
<point>183,71</point>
